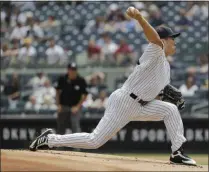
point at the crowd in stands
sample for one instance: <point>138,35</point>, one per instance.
<point>105,49</point>
<point>42,94</point>
<point>31,32</point>
<point>45,33</point>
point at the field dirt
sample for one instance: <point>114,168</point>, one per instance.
<point>49,160</point>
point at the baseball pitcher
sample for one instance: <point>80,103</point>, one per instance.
<point>136,99</point>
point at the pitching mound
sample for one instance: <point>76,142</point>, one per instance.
<point>47,160</point>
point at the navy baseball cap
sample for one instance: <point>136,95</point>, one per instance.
<point>166,32</point>
<point>72,66</point>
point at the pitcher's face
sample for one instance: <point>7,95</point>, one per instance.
<point>170,46</point>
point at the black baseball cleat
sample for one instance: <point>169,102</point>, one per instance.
<point>41,140</point>
<point>178,157</point>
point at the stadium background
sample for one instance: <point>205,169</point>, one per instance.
<point>79,28</point>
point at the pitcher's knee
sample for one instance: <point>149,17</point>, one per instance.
<point>95,142</point>
<point>174,107</point>
<point>97,145</point>
<point>171,109</point>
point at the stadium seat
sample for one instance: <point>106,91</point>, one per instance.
<point>56,8</point>
<point>67,7</point>
<point>53,77</point>
<point>13,111</point>
<point>4,101</point>
<point>202,94</point>
<point>46,112</point>
<point>30,112</point>
<point>200,110</point>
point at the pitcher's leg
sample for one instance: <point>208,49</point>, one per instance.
<point>108,126</point>
<point>158,110</point>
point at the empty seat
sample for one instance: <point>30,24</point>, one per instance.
<point>13,111</point>
<point>30,112</point>
<point>46,112</point>
<point>200,109</point>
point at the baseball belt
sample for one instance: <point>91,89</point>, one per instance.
<point>142,102</point>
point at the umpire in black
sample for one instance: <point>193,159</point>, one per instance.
<point>71,92</point>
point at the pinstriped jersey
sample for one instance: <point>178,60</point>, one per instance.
<point>151,76</point>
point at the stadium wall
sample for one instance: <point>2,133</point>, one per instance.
<point>18,131</point>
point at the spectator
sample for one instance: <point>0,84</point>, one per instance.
<point>204,86</point>
<point>4,98</point>
<point>199,9</point>
<point>114,13</point>
<point>50,26</point>
<point>14,51</point>
<point>101,101</point>
<point>12,91</point>
<point>108,47</point>
<point>55,54</point>
<point>96,25</point>
<point>2,85</point>
<point>203,61</point>
<point>130,25</point>
<point>183,21</point>
<point>27,53</point>
<point>94,52</point>
<point>32,104</point>
<point>93,86</point>
<point>203,65</point>
<point>50,22</point>
<point>19,32</point>
<point>3,16</point>
<point>48,96</point>
<point>5,55</point>
<point>88,102</point>
<point>189,88</point>
<point>100,41</point>
<point>18,17</point>
<point>38,80</point>
<point>95,83</point>
<point>35,32</point>
<point>124,53</point>
<point>119,25</point>
<point>155,16</point>
<point>8,55</point>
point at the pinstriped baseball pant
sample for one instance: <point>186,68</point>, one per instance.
<point>120,111</point>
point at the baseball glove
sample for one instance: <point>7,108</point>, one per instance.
<point>172,95</point>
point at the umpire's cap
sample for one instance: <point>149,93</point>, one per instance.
<point>165,32</point>
<point>72,66</point>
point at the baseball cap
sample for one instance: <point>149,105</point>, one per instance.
<point>72,66</point>
<point>165,32</point>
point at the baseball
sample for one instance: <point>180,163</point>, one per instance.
<point>131,9</point>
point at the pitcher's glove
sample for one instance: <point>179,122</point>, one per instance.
<point>172,95</point>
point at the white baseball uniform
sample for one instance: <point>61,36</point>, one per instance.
<point>146,81</point>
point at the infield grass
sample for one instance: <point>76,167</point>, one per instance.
<point>201,159</point>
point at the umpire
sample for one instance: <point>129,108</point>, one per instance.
<point>71,92</point>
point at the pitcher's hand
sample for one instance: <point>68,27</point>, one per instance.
<point>133,12</point>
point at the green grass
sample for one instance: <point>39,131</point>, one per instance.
<point>201,159</point>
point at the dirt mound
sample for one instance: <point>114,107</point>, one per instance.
<point>47,160</point>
